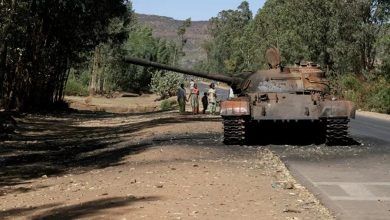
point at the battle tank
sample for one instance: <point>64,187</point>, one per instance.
<point>278,96</point>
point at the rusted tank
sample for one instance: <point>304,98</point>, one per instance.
<point>279,95</point>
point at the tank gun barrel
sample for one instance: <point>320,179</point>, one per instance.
<point>217,77</point>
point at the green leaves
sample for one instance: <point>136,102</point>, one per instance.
<point>228,50</point>
<point>42,39</point>
<point>165,84</point>
<point>340,35</point>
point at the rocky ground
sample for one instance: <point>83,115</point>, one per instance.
<point>160,165</point>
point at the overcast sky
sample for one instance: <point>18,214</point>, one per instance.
<point>195,9</point>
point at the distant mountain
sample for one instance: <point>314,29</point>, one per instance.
<point>166,28</point>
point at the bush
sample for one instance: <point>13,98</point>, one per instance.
<point>372,94</point>
<point>165,84</point>
<point>349,82</point>
<point>379,98</point>
<point>167,104</point>
<point>349,87</point>
<point>75,88</point>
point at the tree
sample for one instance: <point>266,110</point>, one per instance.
<point>181,31</point>
<point>165,83</point>
<point>227,50</point>
<point>107,55</point>
<point>40,40</point>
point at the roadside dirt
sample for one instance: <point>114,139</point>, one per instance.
<point>144,103</point>
<point>159,165</point>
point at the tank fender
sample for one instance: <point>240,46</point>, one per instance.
<point>338,109</point>
<point>235,107</point>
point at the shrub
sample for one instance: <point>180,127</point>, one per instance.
<point>379,98</point>
<point>350,88</point>
<point>372,94</point>
<point>349,82</point>
<point>167,104</point>
<point>165,84</point>
<point>75,88</point>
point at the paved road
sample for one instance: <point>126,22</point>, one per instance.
<point>222,93</point>
<point>353,181</point>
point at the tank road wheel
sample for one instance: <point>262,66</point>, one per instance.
<point>337,131</point>
<point>234,130</point>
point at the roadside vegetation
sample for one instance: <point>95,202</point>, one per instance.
<point>40,41</point>
<point>54,48</point>
<point>49,49</point>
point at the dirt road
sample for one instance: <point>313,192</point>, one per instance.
<point>142,166</point>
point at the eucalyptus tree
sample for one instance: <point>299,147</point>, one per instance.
<point>39,42</point>
<point>225,51</point>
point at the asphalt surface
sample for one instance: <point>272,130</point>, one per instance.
<point>353,181</point>
<point>222,93</point>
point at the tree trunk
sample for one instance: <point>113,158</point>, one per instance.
<point>3,61</point>
<point>94,83</point>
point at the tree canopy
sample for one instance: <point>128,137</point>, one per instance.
<point>344,36</point>
<point>40,40</point>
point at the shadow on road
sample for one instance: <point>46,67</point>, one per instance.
<point>25,211</point>
<point>90,209</point>
<point>300,133</point>
<point>52,145</point>
<point>86,209</point>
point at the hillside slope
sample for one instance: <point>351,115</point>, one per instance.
<point>166,28</point>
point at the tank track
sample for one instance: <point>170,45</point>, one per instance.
<point>337,131</point>
<point>235,130</point>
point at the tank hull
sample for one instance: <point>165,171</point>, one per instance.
<point>248,119</point>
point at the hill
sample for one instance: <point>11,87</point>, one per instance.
<point>166,28</point>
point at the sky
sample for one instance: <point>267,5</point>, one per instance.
<point>197,10</point>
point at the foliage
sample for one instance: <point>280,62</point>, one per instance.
<point>228,49</point>
<point>166,84</point>
<point>76,88</point>
<point>109,72</point>
<point>383,46</point>
<point>181,31</point>
<point>78,82</point>
<point>167,104</point>
<point>40,40</point>
<point>106,59</point>
<point>142,44</point>
<point>379,99</point>
<point>339,35</point>
<point>372,94</point>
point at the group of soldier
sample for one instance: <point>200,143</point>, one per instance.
<point>209,99</point>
